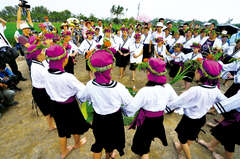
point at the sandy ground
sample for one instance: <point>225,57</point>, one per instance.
<point>23,135</point>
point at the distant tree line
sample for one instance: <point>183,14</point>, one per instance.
<point>9,13</point>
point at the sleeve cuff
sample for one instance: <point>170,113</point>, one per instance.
<point>220,109</point>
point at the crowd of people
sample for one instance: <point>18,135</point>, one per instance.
<point>50,56</point>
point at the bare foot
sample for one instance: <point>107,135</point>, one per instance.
<point>212,125</point>
<point>81,143</point>
<point>69,150</point>
<point>177,146</point>
<point>217,156</point>
<point>52,128</point>
<point>205,144</point>
<point>113,154</point>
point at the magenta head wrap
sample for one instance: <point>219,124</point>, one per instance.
<point>157,71</point>
<point>66,33</point>
<point>56,54</point>
<point>49,36</point>
<point>101,62</point>
<point>90,32</point>
<point>137,36</point>
<point>33,40</point>
<point>210,70</point>
<point>33,52</point>
<point>159,39</point>
<point>107,31</point>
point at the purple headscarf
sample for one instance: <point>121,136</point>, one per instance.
<point>57,52</point>
<point>211,70</point>
<point>158,66</point>
<point>101,59</point>
<point>32,52</point>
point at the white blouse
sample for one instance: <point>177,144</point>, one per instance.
<point>38,73</point>
<point>87,45</point>
<point>136,49</point>
<point>106,98</point>
<point>228,104</point>
<point>197,101</point>
<point>60,86</point>
<point>192,56</point>
<point>151,98</point>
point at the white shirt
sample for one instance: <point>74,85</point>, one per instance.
<point>229,104</point>
<point>60,86</point>
<point>168,39</point>
<point>192,56</point>
<point>38,73</point>
<point>3,39</point>
<point>87,45</point>
<point>151,98</point>
<point>188,43</point>
<point>217,43</point>
<point>232,53</point>
<point>136,49</point>
<point>73,47</point>
<point>174,41</point>
<point>179,57</point>
<point>161,50</point>
<point>124,44</point>
<point>225,48</point>
<point>106,99</point>
<point>146,39</point>
<point>234,66</point>
<point>155,35</point>
<point>197,101</point>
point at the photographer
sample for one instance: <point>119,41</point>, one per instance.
<point>6,97</point>
<point>49,26</point>
<point>8,78</point>
<point>7,53</point>
<point>25,29</point>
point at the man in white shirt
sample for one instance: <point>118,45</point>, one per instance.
<point>7,53</point>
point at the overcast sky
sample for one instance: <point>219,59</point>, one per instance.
<point>202,10</point>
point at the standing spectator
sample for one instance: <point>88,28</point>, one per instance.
<point>7,53</point>
<point>48,24</point>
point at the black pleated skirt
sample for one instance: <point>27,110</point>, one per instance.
<point>122,61</point>
<point>145,134</point>
<point>227,132</point>
<point>146,53</point>
<point>42,100</point>
<point>188,129</point>
<point>109,133</point>
<point>69,119</point>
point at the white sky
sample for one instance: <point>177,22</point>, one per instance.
<point>202,10</point>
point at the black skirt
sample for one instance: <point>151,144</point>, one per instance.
<point>69,119</point>
<point>42,100</point>
<point>189,76</point>
<point>109,134</point>
<point>174,68</point>
<point>228,134</point>
<point>146,53</point>
<point>133,66</point>
<point>188,129</point>
<point>122,61</point>
<point>145,134</point>
<point>87,67</point>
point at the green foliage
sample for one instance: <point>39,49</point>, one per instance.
<point>38,13</point>
<point>117,10</point>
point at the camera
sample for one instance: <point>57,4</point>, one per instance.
<point>24,4</point>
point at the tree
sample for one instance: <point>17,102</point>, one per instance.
<point>9,13</point>
<point>38,13</point>
<point>213,21</point>
<point>117,10</point>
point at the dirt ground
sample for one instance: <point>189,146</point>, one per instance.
<point>23,135</point>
